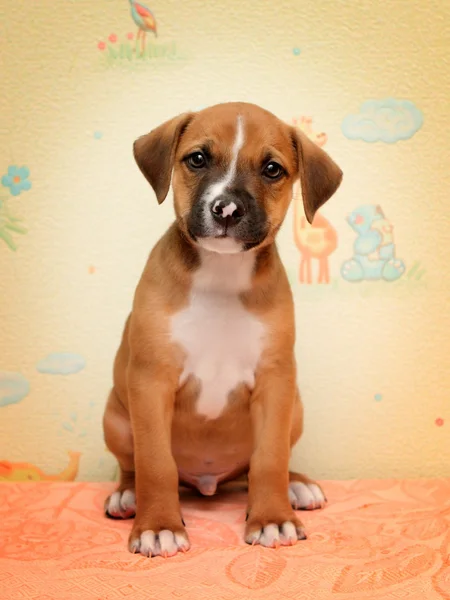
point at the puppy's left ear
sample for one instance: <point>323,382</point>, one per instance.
<point>155,153</point>
<point>319,175</point>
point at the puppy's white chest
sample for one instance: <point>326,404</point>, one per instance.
<point>222,341</point>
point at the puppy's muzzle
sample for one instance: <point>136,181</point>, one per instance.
<point>233,214</point>
<point>227,210</point>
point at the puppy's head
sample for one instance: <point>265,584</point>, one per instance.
<point>232,168</point>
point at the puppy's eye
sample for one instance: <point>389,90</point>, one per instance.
<point>196,160</point>
<point>273,170</point>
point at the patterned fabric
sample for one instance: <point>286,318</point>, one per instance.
<point>376,540</point>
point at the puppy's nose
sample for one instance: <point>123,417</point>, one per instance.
<point>226,208</point>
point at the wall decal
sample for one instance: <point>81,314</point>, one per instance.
<point>305,124</point>
<point>98,135</point>
<point>145,21</point>
<point>75,422</point>
<point>9,225</point>
<point>296,51</point>
<point>77,426</point>
<point>439,422</point>
<point>28,472</point>
<point>13,388</point>
<point>318,240</point>
<point>125,52</point>
<point>415,272</point>
<point>374,255</point>
<point>61,363</point>
<point>378,397</point>
<point>135,49</point>
<point>15,181</point>
<point>387,121</point>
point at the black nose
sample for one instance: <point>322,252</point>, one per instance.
<point>227,208</point>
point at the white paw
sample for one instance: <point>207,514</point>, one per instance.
<point>306,496</point>
<point>272,536</point>
<point>165,544</point>
<point>121,505</point>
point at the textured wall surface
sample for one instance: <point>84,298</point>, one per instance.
<point>368,80</point>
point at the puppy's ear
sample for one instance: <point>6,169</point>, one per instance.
<point>319,175</point>
<point>155,153</point>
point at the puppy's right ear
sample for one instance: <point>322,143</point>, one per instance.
<point>155,153</point>
<point>319,175</point>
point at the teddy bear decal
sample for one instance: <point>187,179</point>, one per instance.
<point>374,249</point>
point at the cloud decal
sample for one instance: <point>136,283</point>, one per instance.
<point>13,388</point>
<point>61,363</point>
<point>387,121</point>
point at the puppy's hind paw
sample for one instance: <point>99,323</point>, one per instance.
<point>306,496</point>
<point>121,505</point>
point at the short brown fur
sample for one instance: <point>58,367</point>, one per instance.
<point>149,419</point>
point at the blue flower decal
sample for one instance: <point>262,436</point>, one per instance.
<point>17,180</point>
<point>386,120</point>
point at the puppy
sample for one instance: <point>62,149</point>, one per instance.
<point>205,378</point>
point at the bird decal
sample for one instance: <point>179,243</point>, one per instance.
<point>144,19</point>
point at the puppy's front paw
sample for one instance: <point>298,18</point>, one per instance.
<point>273,532</point>
<point>150,542</point>
<point>306,496</point>
<point>121,505</point>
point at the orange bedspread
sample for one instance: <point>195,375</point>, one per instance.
<point>375,540</point>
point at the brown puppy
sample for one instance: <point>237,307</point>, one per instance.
<point>205,378</point>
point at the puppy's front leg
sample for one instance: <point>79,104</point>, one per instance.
<point>158,527</point>
<point>271,520</point>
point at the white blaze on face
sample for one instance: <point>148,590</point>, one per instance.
<point>217,188</point>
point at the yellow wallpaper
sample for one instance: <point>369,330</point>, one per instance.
<point>368,80</point>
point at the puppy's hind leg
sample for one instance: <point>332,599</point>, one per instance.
<point>119,440</point>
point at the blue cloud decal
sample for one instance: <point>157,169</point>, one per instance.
<point>13,388</point>
<point>61,363</point>
<point>387,120</point>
